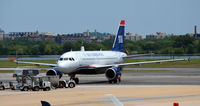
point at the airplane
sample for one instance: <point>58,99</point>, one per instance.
<point>109,63</point>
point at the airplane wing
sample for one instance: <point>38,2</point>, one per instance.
<point>35,63</point>
<point>147,62</point>
<point>137,55</point>
<point>136,63</point>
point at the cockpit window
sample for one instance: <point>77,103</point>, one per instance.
<point>65,58</point>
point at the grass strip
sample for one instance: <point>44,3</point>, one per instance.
<point>6,71</point>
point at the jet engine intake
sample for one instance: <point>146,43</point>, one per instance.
<point>112,73</point>
<point>54,72</point>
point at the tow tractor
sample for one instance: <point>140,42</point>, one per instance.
<point>35,83</point>
<point>29,79</point>
<point>4,85</point>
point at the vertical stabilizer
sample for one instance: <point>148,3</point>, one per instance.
<point>119,39</point>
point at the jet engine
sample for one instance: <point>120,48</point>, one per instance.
<point>54,72</point>
<point>112,73</point>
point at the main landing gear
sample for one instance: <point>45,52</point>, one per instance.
<point>115,80</point>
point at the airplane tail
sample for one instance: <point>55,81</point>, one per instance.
<point>119,39</point>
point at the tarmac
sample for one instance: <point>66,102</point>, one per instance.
<point>178,85</point>
<point>175,76</point>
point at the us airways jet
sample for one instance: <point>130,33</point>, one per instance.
<point>109,63</point>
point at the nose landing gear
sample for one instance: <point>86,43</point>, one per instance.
<point>75,79</point>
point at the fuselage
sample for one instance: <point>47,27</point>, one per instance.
<point>72,61</point>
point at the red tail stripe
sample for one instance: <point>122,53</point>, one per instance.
<point>122,22</point>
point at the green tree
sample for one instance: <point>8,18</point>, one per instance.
<point>183,42</point>
<point>34,50</point>
<point>67,47</point>
<point>47,50</point>
<point>179,51</point>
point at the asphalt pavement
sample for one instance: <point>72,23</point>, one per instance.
<point>175,76</point>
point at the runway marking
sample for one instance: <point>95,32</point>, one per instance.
<point>115,100</point>
<point>126,100</point>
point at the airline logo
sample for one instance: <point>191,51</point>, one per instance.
<point>93,54</point>
<point>120,39</point>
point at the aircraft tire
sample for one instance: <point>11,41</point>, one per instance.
<point>71,85</point>
<point>115,81</point>
<point>110,81</point>
<point>61,84</point>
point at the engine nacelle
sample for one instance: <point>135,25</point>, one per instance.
<point>54,72</point>
<point>112,73</point>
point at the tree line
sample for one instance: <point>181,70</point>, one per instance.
<point>183,44</point>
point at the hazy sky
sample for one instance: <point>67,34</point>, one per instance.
<point>70,16</point>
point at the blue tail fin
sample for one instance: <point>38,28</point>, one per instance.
<point>119,39</point>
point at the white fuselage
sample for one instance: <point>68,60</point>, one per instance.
<point>71,61</point>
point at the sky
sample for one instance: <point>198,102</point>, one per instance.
<point>76,16</point>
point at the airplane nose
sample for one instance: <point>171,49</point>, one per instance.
<point>64,67</point>
<point>61,65</point>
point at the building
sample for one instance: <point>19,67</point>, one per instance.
<point>109,37</point>
<point>1,34</point>
<point>158,35</point>
<point>14,35</point>
<point>196,35</point>
<point>131,37</point>
<point>36,36</point>
<point>61,38</point>
<point>72,38</point>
